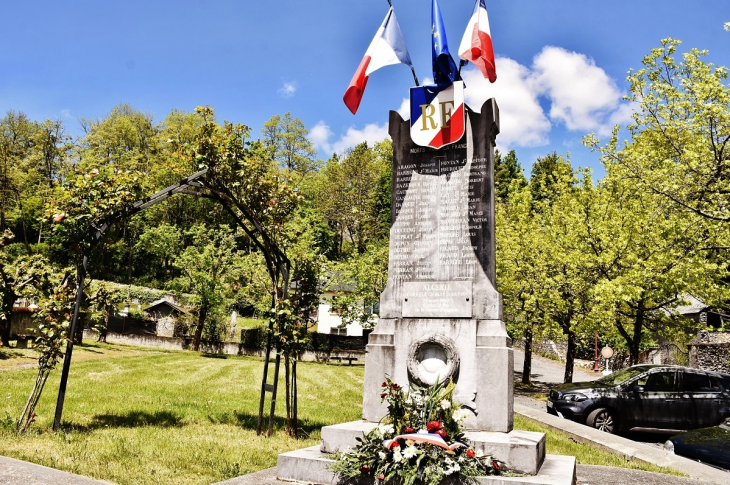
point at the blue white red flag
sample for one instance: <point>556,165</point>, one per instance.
<point>430,438</point>
<point>437,114</point>
<point>387,47</point>
<point>444,67</point>
<point>476,45</point>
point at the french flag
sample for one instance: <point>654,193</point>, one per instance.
<point>388,47</point>
<point>476,45</point>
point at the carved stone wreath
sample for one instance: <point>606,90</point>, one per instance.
<point>433,359</point>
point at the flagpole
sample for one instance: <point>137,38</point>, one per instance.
<point>414,76</point>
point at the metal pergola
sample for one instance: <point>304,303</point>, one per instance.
<point>192,185</point>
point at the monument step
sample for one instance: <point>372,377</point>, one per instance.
<point>521,451</point>
<point>310,465</point>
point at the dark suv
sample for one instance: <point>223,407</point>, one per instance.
<point>646,396</point>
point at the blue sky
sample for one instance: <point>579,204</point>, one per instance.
<point>561,64</point>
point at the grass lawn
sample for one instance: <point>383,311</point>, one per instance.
<point>140,416</point>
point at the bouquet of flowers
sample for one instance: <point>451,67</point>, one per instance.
<point>420,440</point>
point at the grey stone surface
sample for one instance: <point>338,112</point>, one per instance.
<point>521,451</point>
<point>341,437</point>
<point>310,465</point>
<point>442,227</point>
<point>484,382</point>
<point>15,472</point>
<point>586,475</point>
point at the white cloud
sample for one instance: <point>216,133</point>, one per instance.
<point>405,109</point>
<point>371,133</point>
<point>521,118</point>
<point>582,95</point>
<point>319,134</point>
<point>288,89</point>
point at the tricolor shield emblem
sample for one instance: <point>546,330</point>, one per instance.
<point>437,114</point>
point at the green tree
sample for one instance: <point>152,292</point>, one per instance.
<point>207,268</point>
<point>124,138</point>
<point>350,195</point>
<point>18,277</point>
<point>507,169</point>
<point>549,176</point>
<point>54,320</point>
<point>287,138</point>
<point>679,145</point>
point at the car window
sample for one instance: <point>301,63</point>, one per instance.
<point>621,376</point>
<point>658,382</point>
<point>692,382</point>
<point>725,383</point>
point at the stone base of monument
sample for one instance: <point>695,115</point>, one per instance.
<point>520,451</point>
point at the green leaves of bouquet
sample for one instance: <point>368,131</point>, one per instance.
<point>420,441</point>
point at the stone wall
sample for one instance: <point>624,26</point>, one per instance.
<point>224,348</point>
<point>710,351</point>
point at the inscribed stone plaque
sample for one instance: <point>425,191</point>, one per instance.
<point>437,299</point>
<point>442,226</point>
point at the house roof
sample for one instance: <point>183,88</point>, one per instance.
<point>160,303</point>
<point>695,305</point>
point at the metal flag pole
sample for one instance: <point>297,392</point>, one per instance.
<point>414,76</point>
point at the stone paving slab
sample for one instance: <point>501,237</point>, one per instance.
<point>16,472</point>
<point>587,475</point>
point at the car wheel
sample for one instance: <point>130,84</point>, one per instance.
<point>602,419</point>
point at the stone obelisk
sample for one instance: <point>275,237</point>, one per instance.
<point>440,314</point>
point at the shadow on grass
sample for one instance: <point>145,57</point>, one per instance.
<point>213,356</point>
<point>250,421</point>
<point>132,419</point>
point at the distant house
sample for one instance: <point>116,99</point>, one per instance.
<point>329,321</point>
<point>163,312</point>
<point>699,311</point>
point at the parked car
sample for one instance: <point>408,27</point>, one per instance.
<point>708,445</point>
<point>646,396</point>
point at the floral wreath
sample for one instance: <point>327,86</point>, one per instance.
<point>420,441</point>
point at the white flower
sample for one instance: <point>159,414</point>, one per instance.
<point>410,452</point>
<point>480,453</point>
<point>422,431</point>
<point>448,471</point>
<point>397,457</point>
<point>445,404</point>
<point>386,429</point>
<point>456,467</point>
<point>460,415</point>
<point>382,455</point>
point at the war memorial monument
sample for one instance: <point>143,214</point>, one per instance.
<point>441,314</point>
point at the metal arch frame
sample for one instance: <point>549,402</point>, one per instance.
<point>187,186</point>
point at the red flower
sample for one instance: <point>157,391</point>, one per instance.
<point>433,426</point>
<point>470,453</point>
<point>365,469</point>
<point>381,477</point>
<point>495,464</point>
<point>409,430</point>
<point>384,384</point>
<point>441,433</point>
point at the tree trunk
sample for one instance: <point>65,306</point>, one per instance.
<point>104,328</point>
<point>527,364</point>
<point>287,391</point>
<point>569,356</point>
<point>635,344</point>
<point>202,315</point>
